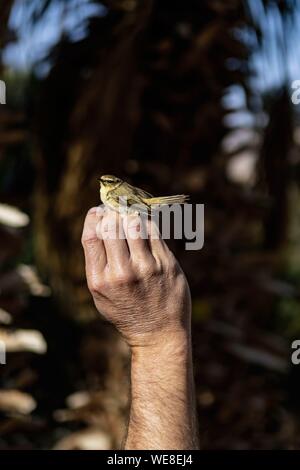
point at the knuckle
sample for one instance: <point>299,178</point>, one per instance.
<point>92,211</point>
<point>110,217</point>
<point>89,239</point>
<point>122,278</point>
<point>173,269</point>
<point>95,286</point>
<point>172,265</point>
<point>148,268</point>
<point>159,267</point>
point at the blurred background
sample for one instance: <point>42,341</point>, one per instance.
<point>173,96</point>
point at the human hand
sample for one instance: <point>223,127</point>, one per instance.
<point>136,283</point>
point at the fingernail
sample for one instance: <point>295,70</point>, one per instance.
<point>133,221</point>
<point>93,210</point>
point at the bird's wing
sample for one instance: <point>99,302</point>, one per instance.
<point>134,195</point>
<point>140,193</point>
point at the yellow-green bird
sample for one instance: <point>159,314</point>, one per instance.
<point>117,194</point>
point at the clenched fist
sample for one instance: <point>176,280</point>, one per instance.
<point>135,280</point>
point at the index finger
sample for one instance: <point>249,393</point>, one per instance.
<point>94,250</point>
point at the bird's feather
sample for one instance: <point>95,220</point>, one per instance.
<point>176,199</point>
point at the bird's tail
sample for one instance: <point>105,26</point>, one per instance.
<point>164,200</point>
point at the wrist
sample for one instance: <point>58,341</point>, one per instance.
<point>162,395</point>
<point>163,346</point>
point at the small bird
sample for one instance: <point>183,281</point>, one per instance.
<point>119,195</point>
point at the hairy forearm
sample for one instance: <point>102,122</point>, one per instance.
<point>162,414</point>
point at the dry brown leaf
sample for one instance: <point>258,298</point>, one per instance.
<point>23,340</point>
<point>14,401</point>
<point>88,439</point>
